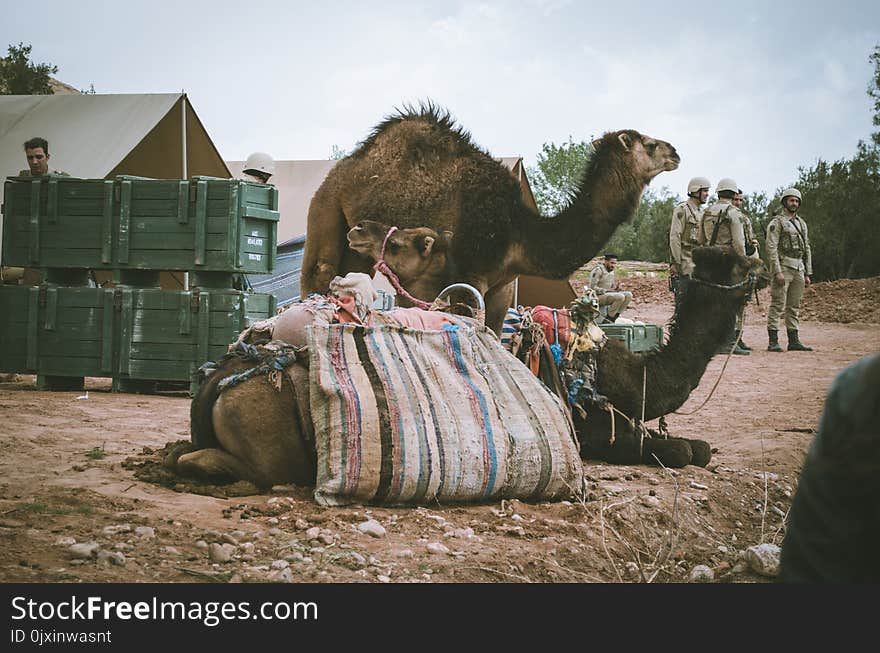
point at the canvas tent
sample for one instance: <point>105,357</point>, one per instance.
<point>101,136</point>
<point>297,182</point>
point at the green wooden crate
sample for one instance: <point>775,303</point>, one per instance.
<point>166,335</point>
<point>19,306</point>
<point>75,332</point>
<point>636,337</point>
<point>135,223</point>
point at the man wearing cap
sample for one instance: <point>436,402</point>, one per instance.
<point>751,250</point>
<point>607,288</point>
<point>258,168</point>
<point>791,264</point>
<point>684,234</point>
<point>723,226</point>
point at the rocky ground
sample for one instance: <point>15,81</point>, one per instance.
<point>84,497</point>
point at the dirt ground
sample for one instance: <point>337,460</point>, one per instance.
<point>70,468</point>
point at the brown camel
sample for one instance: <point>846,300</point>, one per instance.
<point>697,329</point>
<point>419,169</point>
<point>419,257</point>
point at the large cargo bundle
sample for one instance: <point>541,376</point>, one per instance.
<point>637,337</point>
<point>134,223</point>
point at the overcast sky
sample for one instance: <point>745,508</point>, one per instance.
<point>751,92</point>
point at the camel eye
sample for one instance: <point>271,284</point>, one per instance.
<point>651,147</point>
<point>393,246</point>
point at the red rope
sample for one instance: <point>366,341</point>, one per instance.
<point>382,267</point>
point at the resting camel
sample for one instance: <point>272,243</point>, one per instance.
<point>418,168</point>
<point>723,281</point>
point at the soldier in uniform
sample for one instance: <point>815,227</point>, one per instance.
<point>607,288</point>
<point>36,150</point>
<point>751,250</point>
<point>791,264</point>
<point>684,235</point>
<point>258,168</point>
<point>723,225</point>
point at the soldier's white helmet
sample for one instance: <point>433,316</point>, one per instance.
<point>259,162</point>
<point>791,192</point>
<point>695,184</point>
<point>727,184</point>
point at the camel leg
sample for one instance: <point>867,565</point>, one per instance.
<point>498,300</point>
<point>325,244</point>
<point>214,465</point>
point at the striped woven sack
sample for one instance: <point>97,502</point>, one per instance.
<point>404,416</point>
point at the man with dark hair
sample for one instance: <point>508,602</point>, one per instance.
<point>37,152</point>
<point>607,288</point>
<point>834,523</point>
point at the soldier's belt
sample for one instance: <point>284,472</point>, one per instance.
<point>791,261</point>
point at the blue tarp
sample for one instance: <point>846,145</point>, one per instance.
<point>283,281</point>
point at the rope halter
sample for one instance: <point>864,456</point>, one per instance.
<point>382,268</point>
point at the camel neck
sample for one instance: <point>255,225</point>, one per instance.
<point>555,247</point>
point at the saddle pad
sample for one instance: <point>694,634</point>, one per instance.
<point>404,416</point>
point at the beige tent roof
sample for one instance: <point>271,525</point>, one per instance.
<point>297,182</point>
<point>97,136</point>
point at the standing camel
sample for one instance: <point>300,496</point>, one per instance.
<point>418,168</point>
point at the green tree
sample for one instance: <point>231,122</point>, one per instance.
<point>337,153</point>
<point>558,173</point>
<point>20,76</point>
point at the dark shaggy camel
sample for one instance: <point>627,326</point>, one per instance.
<point>697,329</point>
<point>419,169</point>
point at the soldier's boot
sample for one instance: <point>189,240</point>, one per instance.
<point>794,343</point>
<point>773,335</point>
<point>742,345</point>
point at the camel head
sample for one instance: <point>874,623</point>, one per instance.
<point>722,265</point>
<point>645,156</point>
<point>410,253</point>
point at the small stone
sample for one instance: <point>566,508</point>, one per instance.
<point>630,570</point>
<point>436,548</point>
<point>326,538</point>
<point>515,517</point>
<point>609,476</point>
<point>651,501</point>
<point>317,550</point>
<point>698,486</point>
<point>201,544</point>
<point>721,567</point>
<point>220,552</point>
<point>358,560</point>
<point>461,533</point>
<point>111,558</point>
<point>84,550</point>
<point>733,538</point>
<point>614,489</point>
<point>739,567</point>
<point>701,574</point>
<point>238,535</point>
<point>296,556</point>
<point>247,547</point>
<point>313,533</point>
<point>229,538</point>
<point>65,541</point>
<point>383,579</point>
<point>275,532</point>
<point>403,553</point>
<point>738,524</point>
<point>372,527</point>
<point>118,528</point>
<point>146,532</point>
<point>723,550</point>
<point>283,576</point>
<point>301,524</point>
<point>280,564</point>
<point>272,520</point>
<point>170,550</point>
<point>764,559</point>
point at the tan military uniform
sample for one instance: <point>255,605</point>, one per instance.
<point>730,226</point>
<point>27,173</point>
<point>684,235</point>
<point>788,251</point>
<point>602,282</point>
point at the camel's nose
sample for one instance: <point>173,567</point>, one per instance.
<point>358,227</point>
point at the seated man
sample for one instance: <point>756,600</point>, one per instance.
<point>608,288</point>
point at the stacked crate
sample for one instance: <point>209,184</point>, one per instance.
<point>136,333</point>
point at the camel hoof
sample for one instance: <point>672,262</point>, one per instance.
<point>702,451</point>
<point>671,453</point>
<point>178,450</point>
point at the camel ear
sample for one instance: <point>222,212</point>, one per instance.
<point>624,140</point>
<point>427,244</point>
<point>447,238</point>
